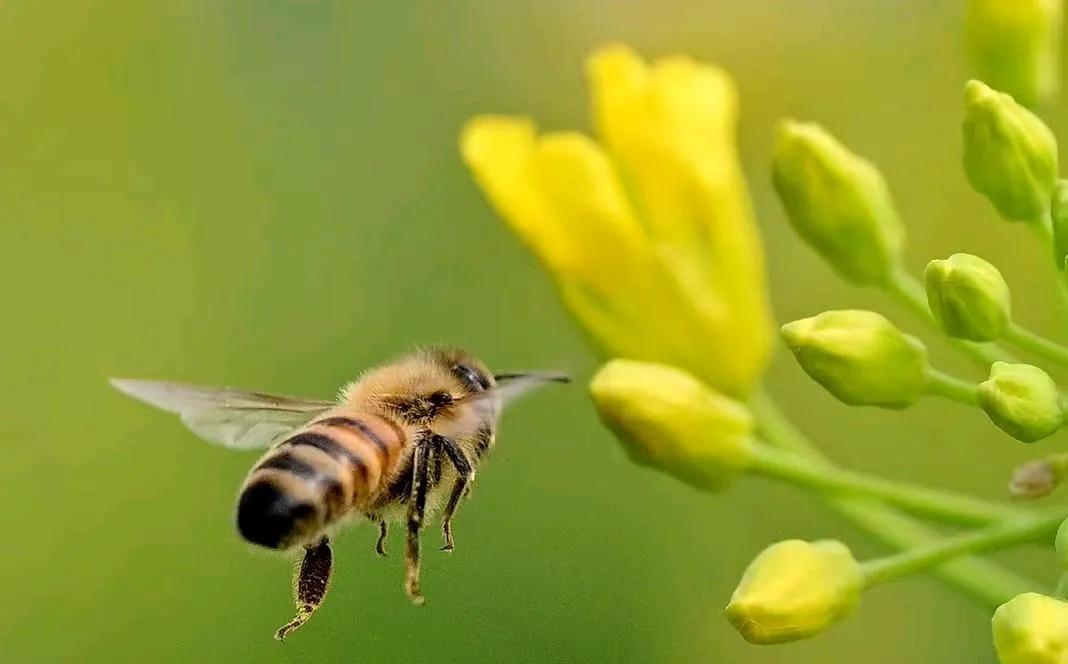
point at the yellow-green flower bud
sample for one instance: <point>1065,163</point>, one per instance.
<point>1062,543</point>
<point>671,421</point>
<point>795,589</point>
<point>1010,155</point>
<point>968,297</point>
<point>1022,400</point>
<point>838,202</point>
<point>1016,45</point>
<point>1059,217</point>
<point>860,358</point>
<point>1031,629</point>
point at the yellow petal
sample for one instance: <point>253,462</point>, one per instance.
<point>671,130</point>
<point>498,150</point>
<point>561,195</point>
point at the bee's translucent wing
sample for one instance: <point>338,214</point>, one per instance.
<point>232,418</point>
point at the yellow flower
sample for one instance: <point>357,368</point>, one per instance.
<point>1031,629</point>
<point>795,589</point>
<point>648,232</point>
<point>1015,45</point>
<point>671,421</point>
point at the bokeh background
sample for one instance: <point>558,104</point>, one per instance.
<point>268,194</point>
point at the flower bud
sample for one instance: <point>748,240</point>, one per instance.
<point>838,202</point>
<point>968,297</point>
<point>795,589</point>
<point>1059,217</point>
<point>1022,400</point>
<point>1010,155</point>
<point>670,421</point>
<point>1015,45</point>
<point>860,358</point>
<point>1038,478</point>
<point>1031,629</point>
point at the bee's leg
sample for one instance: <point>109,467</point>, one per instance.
<point>383,530</point>
<point>309,587</point>
<point>465,475</point>
<point>380,545</point>
<point>416,510</point>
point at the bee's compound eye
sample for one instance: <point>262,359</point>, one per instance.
<point>474,379</point>
<point>440,399</point>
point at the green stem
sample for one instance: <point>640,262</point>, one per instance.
<point>1033,343</point>
<point>909,292</point>
<point>953,388</point>
<point>986,583</point>
<point>991,538</point>
<point>1044,229</point>
<point>1061,591</point>
<point>942,505</point>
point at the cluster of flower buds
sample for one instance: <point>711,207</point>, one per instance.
<point>647,232</point>
<point>839,203</point>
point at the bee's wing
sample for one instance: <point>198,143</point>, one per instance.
<point>232,418</point>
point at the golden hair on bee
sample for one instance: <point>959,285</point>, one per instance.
<point>401,442</point>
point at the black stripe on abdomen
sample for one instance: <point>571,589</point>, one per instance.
<point>290,464</point>
<point>328,445</point>
<point>356,426</point>
<point>332,491</point>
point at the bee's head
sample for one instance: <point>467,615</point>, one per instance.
<point>425,386</point>
<point>470,374</point>
<point>443,386</point>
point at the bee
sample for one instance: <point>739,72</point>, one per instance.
<point>400,443</point>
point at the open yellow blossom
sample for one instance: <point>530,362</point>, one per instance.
<point>647,232</point>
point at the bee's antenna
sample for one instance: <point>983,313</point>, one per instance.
<point>547,376</point>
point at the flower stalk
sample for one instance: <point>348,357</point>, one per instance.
<point>1008,533</point>
<point>829,480</point>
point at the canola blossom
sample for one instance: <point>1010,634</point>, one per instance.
<point>647,231</point>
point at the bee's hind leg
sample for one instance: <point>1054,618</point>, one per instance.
<point>310,585</point>
<point>416,512</point>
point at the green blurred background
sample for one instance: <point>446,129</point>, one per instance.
<point>267,194</point>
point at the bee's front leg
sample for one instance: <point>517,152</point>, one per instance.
<point>309,588</point>
<point>416,512</point>
<point>465,474</point>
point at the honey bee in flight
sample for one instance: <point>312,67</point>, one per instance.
<point>399,443</point>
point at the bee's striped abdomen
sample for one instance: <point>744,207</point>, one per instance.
<point>323,471</point>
